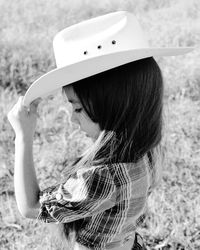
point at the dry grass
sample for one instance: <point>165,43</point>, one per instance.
<point>27,29</point>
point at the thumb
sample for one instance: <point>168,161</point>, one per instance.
<point>34,105</point>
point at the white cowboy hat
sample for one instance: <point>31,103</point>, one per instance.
<point>94,46</point>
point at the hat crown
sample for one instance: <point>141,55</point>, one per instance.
<point>118,31</point>
<point>94,46</point>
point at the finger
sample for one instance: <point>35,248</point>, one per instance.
<point>24,104</point>
<point>34,105</point>
<point>20,101</point>
<point>33,108</point>
<point>21,105</point>
<point>36,101</point>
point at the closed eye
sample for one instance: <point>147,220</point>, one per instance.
<point>78,110</point>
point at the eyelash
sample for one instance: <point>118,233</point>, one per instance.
<point>78,110</point>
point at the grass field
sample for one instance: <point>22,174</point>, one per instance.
<point>26,30</point>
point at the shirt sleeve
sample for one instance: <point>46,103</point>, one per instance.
<point>83,194</point>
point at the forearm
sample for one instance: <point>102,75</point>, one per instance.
<point>25,180</point>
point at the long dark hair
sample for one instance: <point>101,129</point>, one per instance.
<point>126,102</point>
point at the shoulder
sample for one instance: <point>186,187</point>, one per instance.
<point>129,171</point>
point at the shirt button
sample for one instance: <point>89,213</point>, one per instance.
<point>59,196</point>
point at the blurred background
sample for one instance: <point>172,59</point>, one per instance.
<point>27,29</point>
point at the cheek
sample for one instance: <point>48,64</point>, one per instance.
<point>94,131</point>
<point>91,129</point>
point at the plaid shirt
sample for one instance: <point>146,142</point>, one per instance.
<point>110,198</point>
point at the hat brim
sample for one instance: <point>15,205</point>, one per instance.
<point>52,81</point>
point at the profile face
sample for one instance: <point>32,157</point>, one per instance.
<point>79,116</point>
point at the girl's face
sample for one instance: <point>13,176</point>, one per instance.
<point>80,117</point>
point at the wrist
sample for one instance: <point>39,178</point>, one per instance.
<point>23,138</point>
